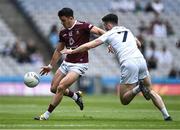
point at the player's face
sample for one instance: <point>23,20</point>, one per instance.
<point>107,26</point>
<point>66,21</point>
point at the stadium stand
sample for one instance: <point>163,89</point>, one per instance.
<point>5,34</point>
<point>45,15</point>
<point>9,65</point>
<point>44,18</point>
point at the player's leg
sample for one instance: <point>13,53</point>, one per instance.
<point>129,79</point>
<point>80,68</point>
<point>76,96</point>
<point>59,75</point>
<point>156,99</point>
<point>56,80</point>
<point>145,87</point>
<point>67,81</point>
<point>128,92</point>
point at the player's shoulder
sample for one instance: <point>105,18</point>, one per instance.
<point>115,30</point>
<point>62,29</point>
<point>84,24</point>
<point>120,28</point>
<point>81,22</point>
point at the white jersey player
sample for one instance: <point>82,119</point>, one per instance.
<point>134,73</point>
<point>123,43</point>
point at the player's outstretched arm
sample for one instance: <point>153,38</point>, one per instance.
<point>56,56</point>
<point>84,47</point>
<point>97,31</point>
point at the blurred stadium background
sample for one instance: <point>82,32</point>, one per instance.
<point>29,33</point>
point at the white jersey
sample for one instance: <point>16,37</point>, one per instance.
<point>123,43</point>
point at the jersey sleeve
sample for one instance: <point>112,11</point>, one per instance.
<point>61,38</point>
<point>104,37</point>
<point>88,26</point>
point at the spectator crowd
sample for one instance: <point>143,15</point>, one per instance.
<point>23,52</point>
<point>158,27</point>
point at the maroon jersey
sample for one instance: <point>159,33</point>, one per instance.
<point>75,36</point>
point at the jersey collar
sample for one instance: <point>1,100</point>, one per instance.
<point>72,25</point>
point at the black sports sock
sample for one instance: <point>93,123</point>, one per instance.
<point>51,108</point>
<point>70,94</point>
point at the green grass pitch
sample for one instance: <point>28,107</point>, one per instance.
<point>101,112</point>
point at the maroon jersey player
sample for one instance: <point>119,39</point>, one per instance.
<point>77,35</point>
<point>74,34</point>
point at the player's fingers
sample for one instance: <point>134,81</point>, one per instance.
<point>43,67</point>
<point>40,72</point>
<point>46,71</point>
<point>43,72</point>
<point>66,51</point>
<point>109,50</point>
<point>61,52</point>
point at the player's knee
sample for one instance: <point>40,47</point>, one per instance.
<point>61,88</point>
<point>123,101</point>
<point>53,90</point>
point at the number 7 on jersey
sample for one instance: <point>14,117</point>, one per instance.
<point>125,35</point>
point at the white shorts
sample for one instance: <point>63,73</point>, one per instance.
<point>79,68</point>
<point>133,70</point>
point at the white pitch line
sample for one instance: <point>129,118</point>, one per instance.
<point>89,111</point>
<point>37,125</point>
<point>101,101</point>
<point>17,105</point>
<point>83,125</point>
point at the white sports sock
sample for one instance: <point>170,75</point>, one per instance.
<point>164,113</point>
<point>47,114</point>
<point>136,89</point>
<point>75,97</point>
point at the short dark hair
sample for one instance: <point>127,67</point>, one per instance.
<point>110,18</point>
<point>68,12</point>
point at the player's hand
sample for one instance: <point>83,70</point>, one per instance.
<point>67,51</point>
<point>45,70</point>
<point>110,49</point>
